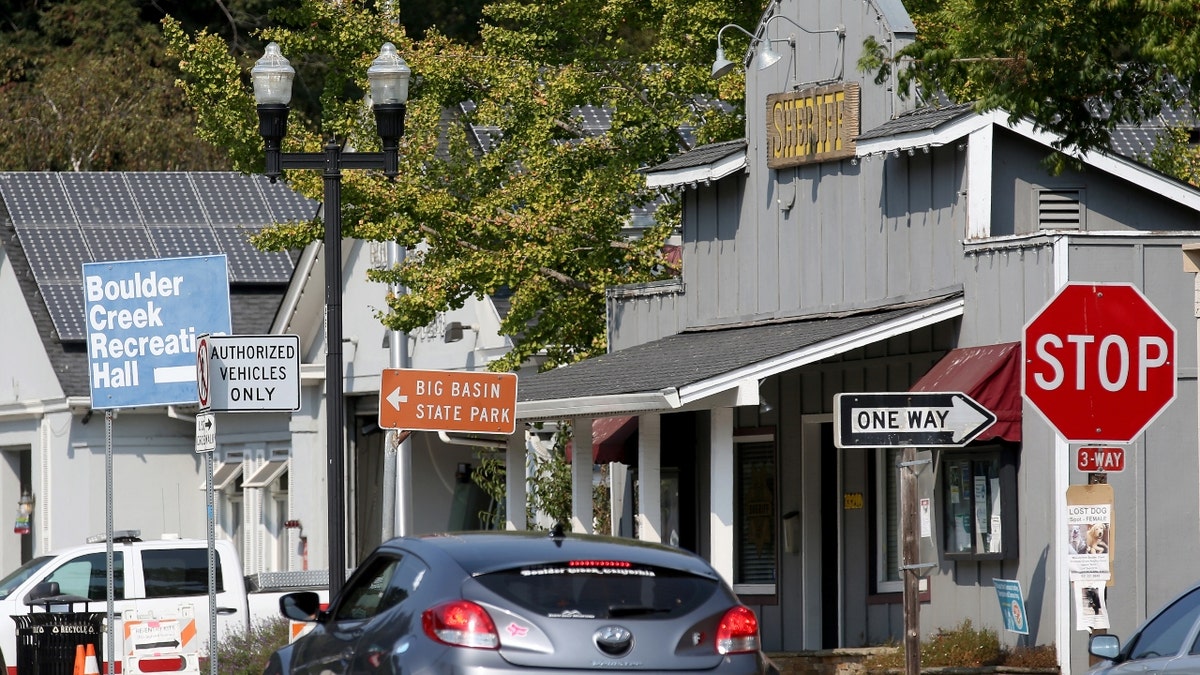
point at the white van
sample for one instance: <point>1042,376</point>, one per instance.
<point>153,579</point>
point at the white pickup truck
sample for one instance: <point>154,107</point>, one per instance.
<point>151,579</point>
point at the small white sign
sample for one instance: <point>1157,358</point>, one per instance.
<point>206,432</point>
<point>254,373</point>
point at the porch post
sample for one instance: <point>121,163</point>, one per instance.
<point>650,477</point>
<point>581,475</point>
<point>514,481</point>
<point>721,472</point>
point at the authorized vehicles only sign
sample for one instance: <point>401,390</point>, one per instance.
<point>143,318</point>
<point>252,373</point>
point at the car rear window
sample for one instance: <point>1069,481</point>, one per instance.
<point>600,589</point>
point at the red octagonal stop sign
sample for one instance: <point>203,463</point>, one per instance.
<point>1099,362</point>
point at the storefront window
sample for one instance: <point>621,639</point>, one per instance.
<point>978,498</point>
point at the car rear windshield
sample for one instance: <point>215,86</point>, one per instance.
<point>600,589</point>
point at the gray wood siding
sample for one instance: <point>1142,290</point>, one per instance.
<point>1110,202</point>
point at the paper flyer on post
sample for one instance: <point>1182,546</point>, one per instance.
<point>1088,527</point>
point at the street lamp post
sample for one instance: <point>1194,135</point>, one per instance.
<point>388,77</point>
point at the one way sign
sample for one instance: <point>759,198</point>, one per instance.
<point>908,419</point>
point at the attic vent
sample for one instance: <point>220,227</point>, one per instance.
<point>1060,209</point>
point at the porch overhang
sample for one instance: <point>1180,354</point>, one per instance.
<point>719,367</point>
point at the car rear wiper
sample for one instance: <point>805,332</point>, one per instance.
<point>635,610</point>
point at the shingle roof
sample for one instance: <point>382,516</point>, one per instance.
<point>701,156</point>
<point>922,119</point>
<point>697,355</point>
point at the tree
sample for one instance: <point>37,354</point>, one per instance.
<point>86,87</point>
<point>1076,68</point>
<point>540,214</point>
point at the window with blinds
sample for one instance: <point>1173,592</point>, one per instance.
<point>887,514</point>
<point>755,524</point>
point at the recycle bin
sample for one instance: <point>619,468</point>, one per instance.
<point>46,641</point>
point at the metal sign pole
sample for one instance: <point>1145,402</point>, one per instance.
<point>212,567</point>
<point>110,626</point>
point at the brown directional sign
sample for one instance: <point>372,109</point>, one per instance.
<point>448,400</point>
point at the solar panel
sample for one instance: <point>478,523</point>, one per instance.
<point>100,198</point>
<point>227,202</point>
<point>166,198</point>
<point>119,243</point>
<point>179,242</point>
<point>55,254</point>
<point>36,199</point>
<point>64,301</point>
<point>285,204</point>
<point>65,220</point>
<point>248,264</point>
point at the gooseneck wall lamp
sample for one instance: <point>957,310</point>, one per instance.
<point>388,79</point>
<point>767,57</point>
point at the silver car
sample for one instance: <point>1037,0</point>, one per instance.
<point>1168,642</point>
<point>491,602</point>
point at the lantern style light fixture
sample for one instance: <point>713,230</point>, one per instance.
<point>388,78</point>
<point>24,512</point>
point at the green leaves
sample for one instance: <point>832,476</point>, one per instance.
<point>541,213</point>
<point>1077,68</point>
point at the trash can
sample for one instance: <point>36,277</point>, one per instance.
<point>46,641</point>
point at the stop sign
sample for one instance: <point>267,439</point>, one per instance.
<point>1099,362</point>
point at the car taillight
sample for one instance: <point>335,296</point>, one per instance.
<point>738,631</point>
<point>461,623</point>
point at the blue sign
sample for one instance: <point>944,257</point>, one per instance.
<point>143,318</point>
<point>1012,605</point>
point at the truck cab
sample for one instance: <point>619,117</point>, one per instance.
<point>152,579</point>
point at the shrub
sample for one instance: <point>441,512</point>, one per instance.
<point>969,647</point>
<point>247,653</point>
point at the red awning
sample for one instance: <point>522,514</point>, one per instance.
<point>608,439</point>
<point>991,375</point>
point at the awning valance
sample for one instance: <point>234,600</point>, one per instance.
<point>991,375</point>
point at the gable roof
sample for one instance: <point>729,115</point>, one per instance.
<point>52,223</point>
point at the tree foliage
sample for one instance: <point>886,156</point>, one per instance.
<point>540,214</point>
<point>86,86</point>
<point>1076,68</point>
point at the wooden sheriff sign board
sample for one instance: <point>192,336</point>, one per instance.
<point>818,124</point>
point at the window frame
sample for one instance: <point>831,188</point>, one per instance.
<point>884,469</point>
<point>744,437</point>
<point>1004,457</point>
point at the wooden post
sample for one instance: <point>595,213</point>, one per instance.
<point>910,555</point>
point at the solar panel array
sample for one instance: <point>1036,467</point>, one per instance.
<point>64,220</point>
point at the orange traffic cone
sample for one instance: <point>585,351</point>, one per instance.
<point>90,665</point>
<point>80,657</point>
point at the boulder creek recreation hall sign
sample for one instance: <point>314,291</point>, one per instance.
<point>817,124</point>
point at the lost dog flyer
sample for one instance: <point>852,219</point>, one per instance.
<point>1089,534</point>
